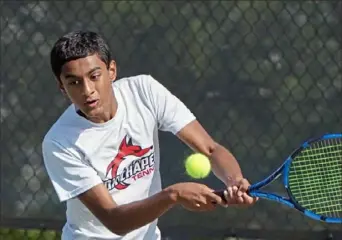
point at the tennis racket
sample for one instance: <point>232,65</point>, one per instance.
<point>312,177</point>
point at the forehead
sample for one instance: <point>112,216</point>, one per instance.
<point>82,65</point>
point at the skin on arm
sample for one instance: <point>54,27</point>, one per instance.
<point>224,164</point>
<point>192,196</point>
<point>100,203</point>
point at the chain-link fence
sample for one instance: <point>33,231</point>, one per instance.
<point>261,76</point>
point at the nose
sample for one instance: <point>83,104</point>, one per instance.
<point>88,88</point>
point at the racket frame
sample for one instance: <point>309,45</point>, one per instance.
<point>255,189</point>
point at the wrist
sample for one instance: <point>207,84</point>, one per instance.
<point>172,193</point>
<point>233,180</point>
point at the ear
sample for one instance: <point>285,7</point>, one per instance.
<point>112,70</point>
<point>60,86</point>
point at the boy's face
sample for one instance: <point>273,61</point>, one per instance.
<point>88,84</point>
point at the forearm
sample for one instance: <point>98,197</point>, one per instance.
<point>224,165</point>
<point>129,217</point>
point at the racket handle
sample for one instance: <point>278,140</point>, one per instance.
<point>220,193</point>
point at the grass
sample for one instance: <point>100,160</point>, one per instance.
<point>38,234</point>
<point>34,234</point>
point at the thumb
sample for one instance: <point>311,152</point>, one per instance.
<point>243,185</point>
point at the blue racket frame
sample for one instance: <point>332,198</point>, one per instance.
<point>283,170</point>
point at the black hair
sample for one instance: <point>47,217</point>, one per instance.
<point>75,45</point>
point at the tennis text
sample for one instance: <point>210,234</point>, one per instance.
<point>135,170</point>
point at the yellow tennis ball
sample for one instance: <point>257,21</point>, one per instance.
<point>197,166</point>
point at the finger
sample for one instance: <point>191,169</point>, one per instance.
<point>192,207</point>
<point>235,189</point>
<point>213,198</point>
<point>221,194</point>
<point>210,194</point>
<point>202,200</point>
<point>240,200</point>
<point>226,194</point>
<point>205,205</point>
<point>249,200</point>
<point>237,192</point>
<point>208,207</point>
<point>232,199</point>
<point>211,205</point>
<point>198,207</point>
<point>230,193</point>
<point>244,185</point>
<point>226,199</point>
<point>207,189</point>
<point>255,199</point>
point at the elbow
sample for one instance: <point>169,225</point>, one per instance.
<point>119,228</point>
<point>212,148</point>
<point>207,148</point>
<point>114,221</point>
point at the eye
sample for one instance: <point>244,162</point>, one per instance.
<point>74,82</point>
<point>96,76</point>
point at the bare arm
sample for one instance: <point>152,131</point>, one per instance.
<point>140,213</point>
<point>193,196</point>
<point>224,164</point>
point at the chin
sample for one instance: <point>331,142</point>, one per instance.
<point>95,113</point>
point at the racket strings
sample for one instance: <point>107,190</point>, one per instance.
<point>315,177</point>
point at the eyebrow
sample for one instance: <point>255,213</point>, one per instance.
<point>69,75</point>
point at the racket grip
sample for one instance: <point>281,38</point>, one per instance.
<point>220,193</point>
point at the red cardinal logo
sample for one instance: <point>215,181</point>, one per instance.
<point>126,148</point>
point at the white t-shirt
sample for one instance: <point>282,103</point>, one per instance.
<point>122,153</point>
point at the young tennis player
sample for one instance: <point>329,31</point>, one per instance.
<point>102,154</point>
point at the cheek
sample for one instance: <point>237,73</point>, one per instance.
<point>107,76</point>
<point>104,85</point>
<point>73,95</point>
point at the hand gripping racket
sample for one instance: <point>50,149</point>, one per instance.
<point>312,177</point>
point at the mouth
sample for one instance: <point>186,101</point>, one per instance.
<point>92,103</point>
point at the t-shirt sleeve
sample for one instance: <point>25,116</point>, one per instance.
<point>69,174</point>
<point>171,113</point>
